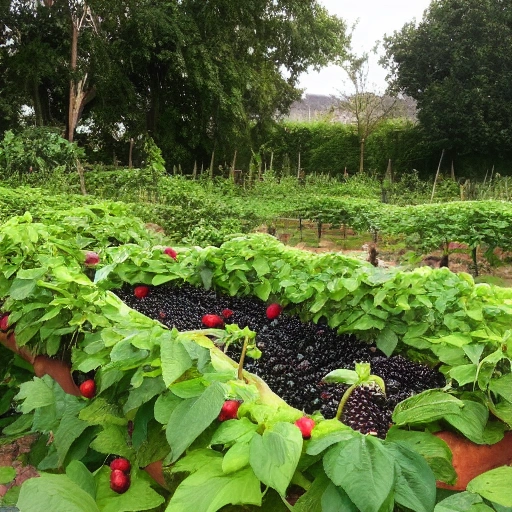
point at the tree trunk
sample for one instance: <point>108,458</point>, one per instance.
<point>130,154</point>
<point>78,96</point>
<point>361,156</point>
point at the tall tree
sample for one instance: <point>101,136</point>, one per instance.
<point>197,75</point>
<point>367,108</point>
<point>457,64</point>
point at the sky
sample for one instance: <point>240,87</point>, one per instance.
<point>376,19</point>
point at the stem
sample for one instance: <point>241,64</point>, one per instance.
<point>344,399</point>
<point>242,358</point>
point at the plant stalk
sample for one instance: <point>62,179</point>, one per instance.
<point>242,359</point>
<point>344,399</point>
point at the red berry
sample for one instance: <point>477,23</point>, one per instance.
<point>122,464</point>
<point>229,410</point>
<point>212,321</point>
<point>91,258</point>
<point>305,425</point>
<point>171,252</point>
<point>88,388</point>
<point>140,291</point>
<point>227,313</point>
<point>119,481</point>
<point>273,311</point>
<point>4,322</point>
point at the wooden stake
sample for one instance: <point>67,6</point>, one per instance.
<point>437,176</point>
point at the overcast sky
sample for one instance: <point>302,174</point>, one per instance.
<point>376,18</point>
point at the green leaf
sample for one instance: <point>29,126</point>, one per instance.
<point>434,450</point>
<point>78,473</point>
<point>36,393</point>
<point>415,487</point>
<point>470,420</point>
<point>359,464</point>
<point>175,358</point>
<point>164,405</point>
<point>69,429</point>
<point>463,502</point>
<point>274,455</point>
<point>335,498</point>
<point>139,496</point>
<point>431,405</point>
<point>494,485</point>
<point>263,290</point>
<point>113,439</point>
<point>342,376</point>
<point>192,417</point>
<point>54,492</point>
<point>464,374</point>
<point>209,489</point>
<point>150,387</point>
<point>22,288</point>
<point>502,386</point>
<point>237,457</point>
<point>387,341</point>
<point>233,430</point>
<point>7,474</point>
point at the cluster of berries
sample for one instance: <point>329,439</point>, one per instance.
<point>120,475</point>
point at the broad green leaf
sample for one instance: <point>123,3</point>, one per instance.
<point>494,485</point>
<point>457,339</point>
<point>7,474</point>
<point>234,430</point>
<point>22,288</point>
<point>175,359</point>
<point>263,290</point>
<point>335,498</point>
<point>101,412</point>
<point>359,464</point>
<point>387,341</point>
<point>310,501</point>
<point>69,429</point>
<point>434,450</point>
<point>164,405</point>
<point>113,439</point>
<point>431,405</point>
<point>470,420</point>
<point>464,374</point>
<point>36,393</point>
<point>415,487</point>
<point>150,387</point>
<point>463,502</point>
<point>209,489</point>
<point>237,457</point>
<point>191,417</point>
<point>502,386</point>
<point>342,376</point>
<point>139,496</point>
<point>275,454</point>
<point>54,492</point>
<point>79,474</point>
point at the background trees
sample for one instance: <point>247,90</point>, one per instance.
<point>457,64</point>
<point>197,76</point>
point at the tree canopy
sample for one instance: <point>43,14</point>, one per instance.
<point>198,76</point>
<point>457,64</point>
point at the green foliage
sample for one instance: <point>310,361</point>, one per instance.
<point>458,72</point>
<point>34,154</point>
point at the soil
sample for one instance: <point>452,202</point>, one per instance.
<point>11,455</point>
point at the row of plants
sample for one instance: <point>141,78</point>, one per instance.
<point>159,393</point>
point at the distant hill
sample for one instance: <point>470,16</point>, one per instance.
<point>318,107</point>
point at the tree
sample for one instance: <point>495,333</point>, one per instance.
<point>457,64</point>
<point>198,76</point>
<point>367,108</point>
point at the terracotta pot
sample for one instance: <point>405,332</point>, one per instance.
<point>8,340</point>
<point>44,365</point>
<point>471,460</point>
